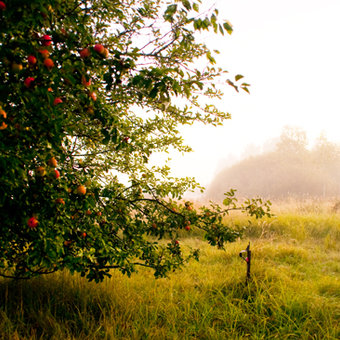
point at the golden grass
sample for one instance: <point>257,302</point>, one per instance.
<point>293,294</point>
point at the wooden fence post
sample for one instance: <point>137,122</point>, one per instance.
<point>247,251</point>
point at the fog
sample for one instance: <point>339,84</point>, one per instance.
<point>289,53</point>
<point>287,167</point>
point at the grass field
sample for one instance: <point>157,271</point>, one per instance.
<point>294,292</point>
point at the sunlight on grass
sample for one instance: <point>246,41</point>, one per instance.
<point>293,293</point>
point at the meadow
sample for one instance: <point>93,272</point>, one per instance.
<point>294,291</point>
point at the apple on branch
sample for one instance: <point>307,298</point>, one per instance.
<point>105,53</point>
<point>84,53</point>
<point>85,82</point>
<point>60,201</point>
<point>3,125</point>
<point>93,96</point>
<point>3,113</point>
<point>52,162</point>
<point>32,60</point>
<point>29,82</point>
<point>49,64</point>
<point>67,243</point>
<point>56,173</point>
<point>81,190</point>
<point>32,222</point>
<point>46,40</point>
<point>57,101</point>
<point>40,171</point>
<point>99,48</point>
<point>44,53</point>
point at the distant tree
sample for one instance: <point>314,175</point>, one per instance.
<point>293,141</point>
<point>88,91</point>
<point>326,158</point>
<point>290,170</point>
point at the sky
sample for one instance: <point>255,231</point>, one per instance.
<point>289,52</point>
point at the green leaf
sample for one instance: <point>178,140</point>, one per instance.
<point>195,7</point>
<point>170,11</point>
<point>186,4</point>
<point>245,89</point>
<point>227,26</point>
<point>221,29</point>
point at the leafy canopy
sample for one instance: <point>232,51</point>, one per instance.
<point>88,91</point>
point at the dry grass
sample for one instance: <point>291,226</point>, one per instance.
<point>293,294</point>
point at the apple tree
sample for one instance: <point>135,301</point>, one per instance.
<point>89,90</point>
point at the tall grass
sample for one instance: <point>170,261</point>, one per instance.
<point>294,292</point>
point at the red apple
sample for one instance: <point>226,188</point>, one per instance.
<point>84,53</point>
<point>81,190</point>
<point>99,48</point>
<point>32,60</point>
<point>88,212</point>
<point>56,173</point>
<point>40,171</point>
<point>3,126</point>
<point>32,222</point>
<point>93,96</point>
<point>49,63</point>
<point>52,162</point>
<point>99,213</point>
<point>60,201</point>
<point>46,40</point>
<point>83,234</point>
<point>44,53</point>
<point>2,6</point>
<point>85,82</point>
<point>188,205</point>
<point>187,227</point>
<point>105,53</point>
<point>57,101</point>
<point>67,243</point>
<point>3,113</point>
<point>177,242</point>
<point>29,81</point>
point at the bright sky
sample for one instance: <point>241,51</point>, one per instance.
<point>289,52</point>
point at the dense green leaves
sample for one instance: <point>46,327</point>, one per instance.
<point>98,87</point>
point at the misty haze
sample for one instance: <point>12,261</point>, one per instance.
<point>285,168</point>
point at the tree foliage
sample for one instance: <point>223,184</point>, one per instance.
<point>88,91</point>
